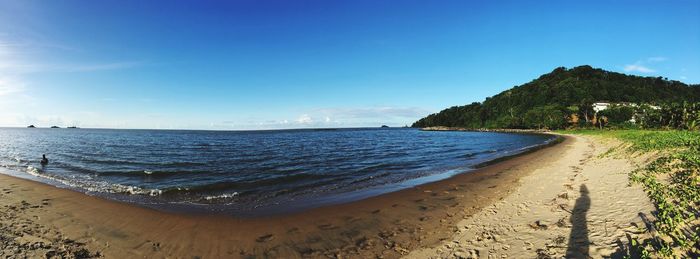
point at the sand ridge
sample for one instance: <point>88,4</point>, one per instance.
<point>580,206</point>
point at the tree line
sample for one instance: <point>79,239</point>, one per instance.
<point>564,98</point>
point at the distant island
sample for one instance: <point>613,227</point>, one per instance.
<point>54,127</point>
<point>572,97</point>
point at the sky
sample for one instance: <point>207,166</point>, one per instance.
<point>237,65</point>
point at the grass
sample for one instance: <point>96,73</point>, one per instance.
<point>672,182</point>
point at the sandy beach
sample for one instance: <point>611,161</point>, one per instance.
<point>557,201</point>
<point>579,206</point>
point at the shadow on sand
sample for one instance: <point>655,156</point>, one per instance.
<point>578,239</point>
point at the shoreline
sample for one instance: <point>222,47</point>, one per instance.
<point>388,225</point>
<point>302,204</point>
<point>524,131</point>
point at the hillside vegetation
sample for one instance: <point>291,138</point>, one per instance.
<point>550,100</point>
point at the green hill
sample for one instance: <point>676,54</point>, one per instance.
<point>554,96</point>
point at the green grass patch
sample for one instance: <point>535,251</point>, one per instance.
<point>648,140</point>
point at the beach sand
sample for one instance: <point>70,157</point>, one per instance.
<point>579,206</point>
<point>492,211</point>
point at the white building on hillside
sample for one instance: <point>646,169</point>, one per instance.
<point>599,106</point>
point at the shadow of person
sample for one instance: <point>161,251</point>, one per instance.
<point>578,239</point>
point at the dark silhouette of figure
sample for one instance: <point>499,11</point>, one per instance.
<point>578,240</point>
<point>44,160</point>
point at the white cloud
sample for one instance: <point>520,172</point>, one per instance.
<point>638,68</point>
<point>97,67</point>
<point>330,117</point>
<point>18,61</point>
<point>305,119</point>
<point>23,67</point>
<point>642,66</point>
<point>20,58</point>
<point>10,86</point>
<point>684,77</point>
<point>656,59</point>
<point>375,112</point>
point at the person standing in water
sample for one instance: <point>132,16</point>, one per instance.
<point>44,160</point>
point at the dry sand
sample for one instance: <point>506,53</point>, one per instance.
<point>491,211</point>
<point>579,206</point>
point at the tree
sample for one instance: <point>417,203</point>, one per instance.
<point>585,110</point>
<point>546,117</point>
<point>618,114</point>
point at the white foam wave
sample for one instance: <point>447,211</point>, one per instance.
<point>95,186</point>
<point>222,196</point>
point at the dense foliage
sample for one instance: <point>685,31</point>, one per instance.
<point>676,116</point>
<point>672,182</point>
<point>550,100</point>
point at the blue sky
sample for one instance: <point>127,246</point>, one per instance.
<point>297,64</point>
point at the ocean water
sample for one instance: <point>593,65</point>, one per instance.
<point>248,172</point>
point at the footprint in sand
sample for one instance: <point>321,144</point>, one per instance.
<point>565,207</point>
<point>304,251</point>
<point>265,238</point>
<point>327,227</point>
<point>313,239</point>
<point>293,230</point>
<point>561,222</point>
<point>564,195</point>
<point>156,246</point>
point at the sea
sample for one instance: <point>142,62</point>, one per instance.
<point>249,173</point>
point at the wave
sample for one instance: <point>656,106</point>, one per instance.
<point>370,178</point>
<point>242,185</point>
<point>473,154</point>
<point>221,196</point>
<point>252,168</point>
<point>93,186</point>
<point>140,163</point>
<point>151,173</point>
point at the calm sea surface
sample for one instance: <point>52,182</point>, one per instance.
<point>248,172</point>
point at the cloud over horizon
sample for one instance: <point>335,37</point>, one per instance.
<point>638,68</point>
<point>642,66</point>
<point>332,117</point>
<point>375,112</point>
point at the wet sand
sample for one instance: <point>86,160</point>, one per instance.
<point>39,220</point>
